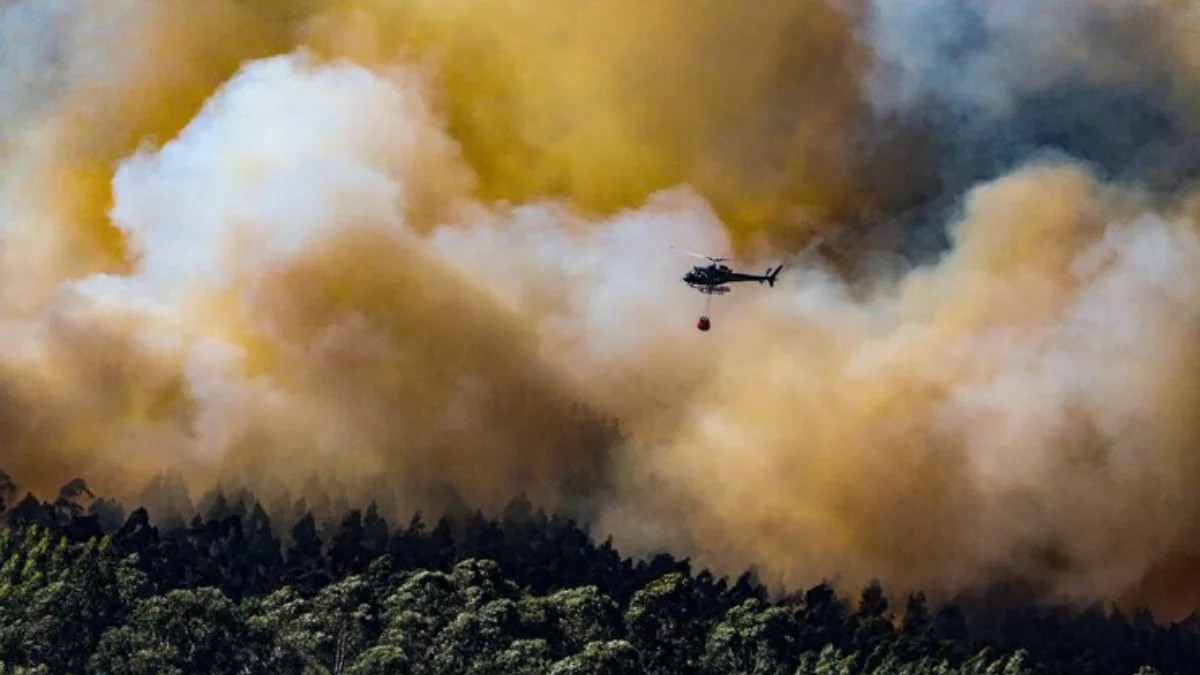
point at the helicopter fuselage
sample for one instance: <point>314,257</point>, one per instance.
<point>718,275</point>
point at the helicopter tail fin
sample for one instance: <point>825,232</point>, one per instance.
<point>771,276</point>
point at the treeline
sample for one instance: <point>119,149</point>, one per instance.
<point>91,590</point>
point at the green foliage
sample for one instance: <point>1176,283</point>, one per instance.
<point>181,632</point>
<point>581,616</point>
<point>660,625</point>
<point>752,639</point>
<point>613,657</point>
<point>22,670</point>
<point>379,660</point>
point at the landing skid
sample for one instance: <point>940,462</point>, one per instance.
<point>711,290</point>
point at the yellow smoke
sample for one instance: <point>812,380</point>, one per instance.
<point>607,102</point>
<point>430,241</point>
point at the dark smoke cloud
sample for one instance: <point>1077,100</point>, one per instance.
<point>1109,82</point>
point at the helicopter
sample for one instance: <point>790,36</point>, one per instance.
<point>713,279</point>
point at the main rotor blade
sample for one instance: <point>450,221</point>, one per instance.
<point>699,255</point>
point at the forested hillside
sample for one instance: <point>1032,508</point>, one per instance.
<point>91,590</point>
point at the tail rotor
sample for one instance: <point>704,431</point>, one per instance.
<point>770,276</point>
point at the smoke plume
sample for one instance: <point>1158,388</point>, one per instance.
<point>428,245</point>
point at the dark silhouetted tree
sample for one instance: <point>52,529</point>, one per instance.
<point>304,564</point>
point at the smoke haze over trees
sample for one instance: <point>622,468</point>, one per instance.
<point>86,589</point>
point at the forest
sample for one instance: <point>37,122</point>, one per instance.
<point>91,589</point>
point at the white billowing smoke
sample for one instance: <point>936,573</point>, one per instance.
<point>284,153</point>
<point>603,291</point>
